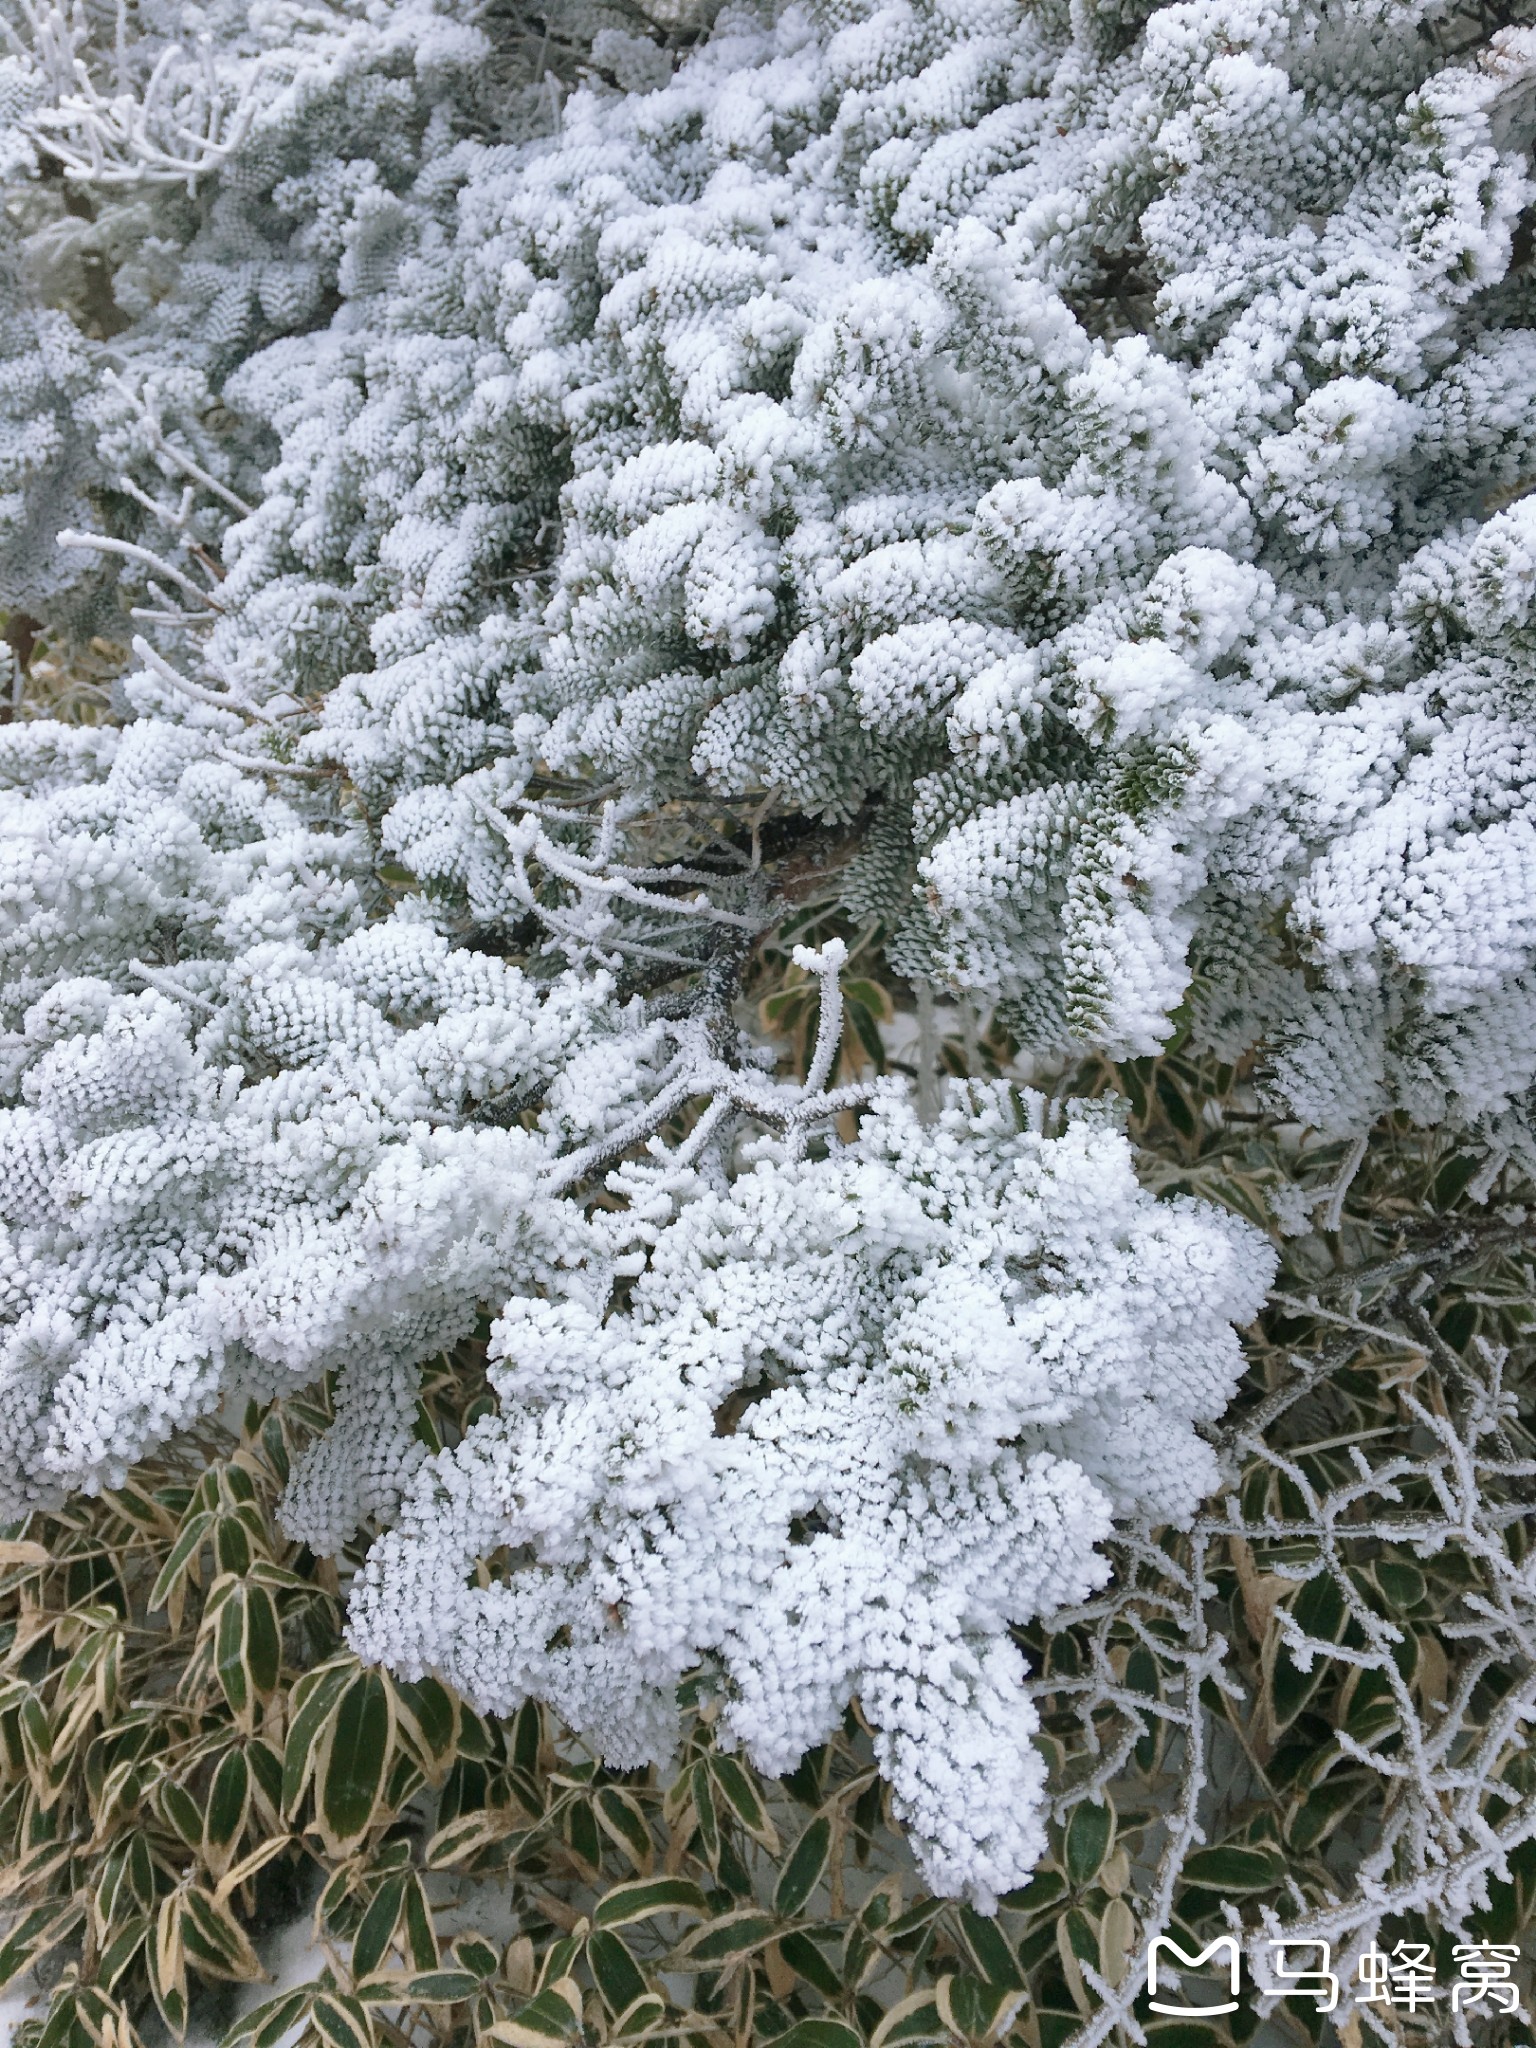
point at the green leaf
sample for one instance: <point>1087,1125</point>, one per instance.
<point>560,1958</point>
<point>282,2015</point>
<point>731,1934</point>
<point>704,1806</point>
<point>915,1919</point>
<point>1403,1584</point>
<point>803,1872</point>
<point>215,1940</point>
<point>460,1840</point>
<point>264,1642</point>
<point>420,1934</point>
<point>75,2018</point>
<point>248,1649</point>
<point>1318,1610</point>
<point>645,1897</point>
<point>310,1716</point>
<point>141,1872</point>
<point>266,1772</point>
<point>1456,1175</point>
<point>36,1933</point>
<point>615,1971</point>
<point>121,1950</point>
<point>1090,1832</point>
<point>1174,1105</point>
<point>236,1485</point>
<point>820,2033</point>
<point>440,1987</point>
<point>1457,1324</point>
<point>913,2020</point>
<point>229,1799</point>
<point>641,2018</point>
<point>475,1953</point>
<point>182,1557</point>
<point>232,1544</point>
<point>428,1717</point>
<point>989,1948</point>
<point>581,1831</point>
<point>1044,1889</point>
<point>1082,1937</point>
<point>37,1736</point>
<point>742,1797</point>
<point>342,2021</point>
<point>354,1753</point>
<point>267,2024</point>
<point>973,2009</point>
<point>527,1737</point>
<point>548,2017</point>
<point>807,1961</point>
<point>1325,1807</point>
<point>370,1945</point>
<point>180,1809</point>
<point>622,1816</point>
<point>165,1957</point>
<point>1372,1709</point>
<point>1234,1867</point>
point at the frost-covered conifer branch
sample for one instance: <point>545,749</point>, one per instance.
<point>917,1344</point>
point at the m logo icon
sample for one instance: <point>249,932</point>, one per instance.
<point>1187,1962</point>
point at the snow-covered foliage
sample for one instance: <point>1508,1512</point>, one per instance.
<point>316,120</point>
<point>247,1169</point>
<point>829,1427</point>
<point>1168,663</point>
<point>858,1414</point>
<point>45,465</point>
<point>1075,455</point>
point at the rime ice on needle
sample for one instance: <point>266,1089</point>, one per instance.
<point>858,1414</point>
<point>1089,447</point>
<point>1183,660</point>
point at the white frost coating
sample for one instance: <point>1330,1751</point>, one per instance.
<point>1087,447</point>
<point>261,1166</point>
<point>1187,668</point>
<point>856,1416</point>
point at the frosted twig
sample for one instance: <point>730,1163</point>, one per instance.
<point>597,874</point>
<point>169,452</point>
<point>131,552</point>
<point>220,700</point>
<point>826,965</point>
<point>173,131</point>
<point>1333,1211</point>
